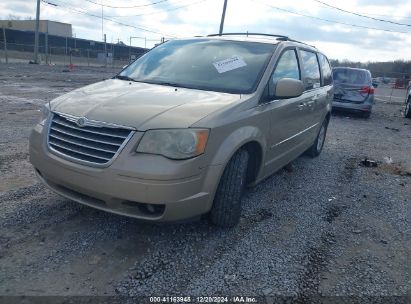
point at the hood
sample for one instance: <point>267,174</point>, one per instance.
<point>140,105</point>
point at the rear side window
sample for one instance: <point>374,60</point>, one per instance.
<point>287,67</point>
<point>351,76</point>
<point>325,69</point>
<point>311,70</point>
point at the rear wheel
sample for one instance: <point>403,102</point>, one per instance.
<point>366,114</point>
<point>318,144</point>
<point>407,110</point>
<point>226,210</point>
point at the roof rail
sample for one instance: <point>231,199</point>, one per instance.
<point>249,34</point>
<point>279,37</point>
<point>302,43</point>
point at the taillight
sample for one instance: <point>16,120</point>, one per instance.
<point>367,90</point>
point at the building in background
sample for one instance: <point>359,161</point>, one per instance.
<point>46,26</point>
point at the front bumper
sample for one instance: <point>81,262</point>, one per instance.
<point>148,187</point>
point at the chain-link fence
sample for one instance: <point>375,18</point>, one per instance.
<point>18,46</point>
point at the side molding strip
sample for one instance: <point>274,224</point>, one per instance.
<point>295,135</point>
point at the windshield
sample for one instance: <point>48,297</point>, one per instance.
<point>205,64</point>
<point>351,76</point>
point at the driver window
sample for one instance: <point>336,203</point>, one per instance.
<point>287,67</point>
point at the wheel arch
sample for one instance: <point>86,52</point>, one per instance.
<point>249,138</point>
<point>255,160</point>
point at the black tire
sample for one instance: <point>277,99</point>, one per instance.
<point>318,144</point>
<point>407,109</point>
<point>226,210</point>
<point>366,114</point>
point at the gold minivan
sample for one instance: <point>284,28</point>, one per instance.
<point>183,129</point>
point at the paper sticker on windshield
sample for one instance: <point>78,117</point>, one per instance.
<point>229,64</point>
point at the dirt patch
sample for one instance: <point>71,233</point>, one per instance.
<point>396,169</point>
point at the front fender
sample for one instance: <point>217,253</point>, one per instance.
<point>236,140</point>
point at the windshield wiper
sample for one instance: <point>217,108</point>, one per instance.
<point>125,78</point>
<point>164,83</point>
<point>170,84</point>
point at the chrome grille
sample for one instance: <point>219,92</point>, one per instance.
<point>91,144</point>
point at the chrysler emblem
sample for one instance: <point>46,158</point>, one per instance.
<point>81,122</point>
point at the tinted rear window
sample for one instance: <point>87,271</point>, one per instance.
<point>350,76</point>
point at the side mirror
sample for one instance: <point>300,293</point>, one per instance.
<point>286,88</point>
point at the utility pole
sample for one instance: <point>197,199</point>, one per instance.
<point>105,51</point>
<point>102,20</point>
<point>222,18</point>
<point>46,46</point>
<point>5,45</point>
<point>36,36</point>
<point>129,49</point>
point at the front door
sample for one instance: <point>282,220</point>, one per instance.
<point>288,117</point>
<point>314,96</point>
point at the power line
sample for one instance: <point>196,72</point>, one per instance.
<point>164,10</point>
<point>133,6</point>
<point>381,15</point>
<point>329,21</point>
<point>360,15</point>
<point>392,16</point>
<point>105,18</point>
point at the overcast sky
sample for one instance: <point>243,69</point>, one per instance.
<point>185,18</point>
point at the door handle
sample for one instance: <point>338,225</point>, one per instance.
<point>310,103</point>
<point>302,105</point>
<point>313,100</point>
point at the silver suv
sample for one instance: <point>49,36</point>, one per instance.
<point>182,130</point>
<point>353,90</point>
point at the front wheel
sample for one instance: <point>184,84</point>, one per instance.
<point>226,210</point>
<point>407,110</point>
<point>318,144</point>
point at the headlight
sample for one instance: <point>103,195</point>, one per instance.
<point>174,143</point>
<point>45,112</point>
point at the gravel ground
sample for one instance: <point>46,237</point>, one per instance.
<point>324,226</point>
